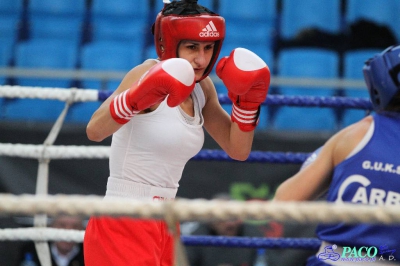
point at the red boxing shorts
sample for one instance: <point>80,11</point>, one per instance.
<point>127,241</point>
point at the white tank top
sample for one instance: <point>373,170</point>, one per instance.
<point>148,153</point>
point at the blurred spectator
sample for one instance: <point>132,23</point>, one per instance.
<point>223,256</point>
<point>361,34</point>
<point>62,253</point>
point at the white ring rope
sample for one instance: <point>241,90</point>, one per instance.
<point>79,95</point>
<point>199,209</point>
<point>42,234</point>
<point>34,151</point>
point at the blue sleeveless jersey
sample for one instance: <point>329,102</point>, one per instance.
<point>371,176</point>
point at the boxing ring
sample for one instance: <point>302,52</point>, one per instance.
<point>41,205</point>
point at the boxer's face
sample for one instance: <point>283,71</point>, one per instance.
<point>198,54</point>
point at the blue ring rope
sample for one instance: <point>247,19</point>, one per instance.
<point>305,101</point>
<point>254,157</point>
<point>252,242</point>
<point>277,157</point>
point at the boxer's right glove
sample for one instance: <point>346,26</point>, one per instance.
<point>174,78</point>
<point>247,78</point>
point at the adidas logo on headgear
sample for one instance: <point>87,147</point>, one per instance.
<point>209,31</point>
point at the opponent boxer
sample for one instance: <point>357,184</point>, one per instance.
<point>360,164</point>
<point>156,118</point>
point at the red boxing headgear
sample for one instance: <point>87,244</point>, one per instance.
<point>170,28</point>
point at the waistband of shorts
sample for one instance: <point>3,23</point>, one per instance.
<point>120,188</point>
<point>339,250</point>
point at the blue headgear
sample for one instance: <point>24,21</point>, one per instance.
<point>382,76</point>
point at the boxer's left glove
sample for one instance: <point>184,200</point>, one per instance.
<point>174,78</point>
<point>247,78</point>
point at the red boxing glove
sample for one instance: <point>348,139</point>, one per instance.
<point>247,78</point>
<point>173,77</point>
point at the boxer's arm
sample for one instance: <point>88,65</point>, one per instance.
<point>247,78</point>
<point>101,124</point>
<point>314,180</point>
<point>173,77</point>
<point>217,122</point>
